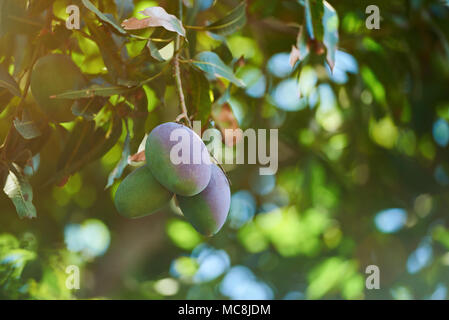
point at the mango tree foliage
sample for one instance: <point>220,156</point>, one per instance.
<point>363,120</point>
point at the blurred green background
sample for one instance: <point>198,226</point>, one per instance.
<point>363,174</point>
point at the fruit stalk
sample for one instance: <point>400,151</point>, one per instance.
<point>177,74</point>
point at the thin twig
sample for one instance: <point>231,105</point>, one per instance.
<point>177,74</point>
<point>149,38</point>
<point>160,73</point>
<point>28,73</point>
<point>201,28</point>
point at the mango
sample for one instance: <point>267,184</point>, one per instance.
<point>208,210</point>
<point>54,74</point>
<point>178,159</point>
<point>140,194</point>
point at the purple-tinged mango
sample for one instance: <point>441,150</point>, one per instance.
<point>178,159</point>
<point>208,210</point>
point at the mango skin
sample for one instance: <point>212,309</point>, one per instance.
<point>54,74</point>
<point>140,194</point>
<point>185,179</point>
<point>208,210</point>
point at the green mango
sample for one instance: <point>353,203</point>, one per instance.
<point>140,194</point>
<point>54,74</point>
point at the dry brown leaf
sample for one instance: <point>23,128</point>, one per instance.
<point>135,24</point>
<point>295,56</point>
<point>157,17</point>
<point>136,158</point>
<point>226,119</point>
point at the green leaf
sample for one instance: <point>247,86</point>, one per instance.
<point>14,17</point>
<point>102,16</point>
<point>232,22</point>
<point>19,190</point>
<point>441,235</point>
<point>86,144</point>
<point>30,125</point>
<point>224,98</point>
<point>123,163</point>
<point>3,17</point>
<point>124,7</point>
<point>5,98</point>
<point>154,51</point>
<point>8,242</point>
<point>211,64</point>
<point>314,10</point>
<point>330,24</point>
<point>27,128</point>
<point>108,49</point>
<point>93,91</point>
<point>8,82</point>
<point>200,96</point>
<point>140,114</point>
<point>301,44</point>
<point>375,86</point>
<point>82,131</point>
<point>13,263</point>
<point>88,108</point>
